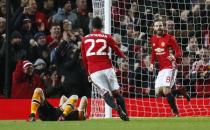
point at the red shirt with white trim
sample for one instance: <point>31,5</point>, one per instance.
<point>161,50</point>
<point>95,51</point>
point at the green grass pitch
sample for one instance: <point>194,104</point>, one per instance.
<point>179,123</point>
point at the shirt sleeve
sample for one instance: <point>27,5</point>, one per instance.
<point>153,54</point>
<point>112,43</point>
<point>173,43</point>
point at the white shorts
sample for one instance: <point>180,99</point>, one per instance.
<point>105,81</point>
<point>166,78</point>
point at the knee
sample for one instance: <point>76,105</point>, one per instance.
<point>159,91</point>
<point>74,97</point>
<point>167,90</point>
<point>38,90</point>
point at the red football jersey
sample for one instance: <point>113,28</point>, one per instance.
<point>160,50</point>
<point>95,49</point>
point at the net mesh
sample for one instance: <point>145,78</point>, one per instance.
<point>188,21</point>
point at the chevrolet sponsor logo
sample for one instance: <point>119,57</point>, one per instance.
<point>159,50</point>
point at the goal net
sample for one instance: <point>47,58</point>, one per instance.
<point>131,26</point>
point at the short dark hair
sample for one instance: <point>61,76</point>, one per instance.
<point>97,23</point>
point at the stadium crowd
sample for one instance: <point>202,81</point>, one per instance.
<point>46,36</point>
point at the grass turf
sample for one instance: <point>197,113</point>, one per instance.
<point>183,123</point>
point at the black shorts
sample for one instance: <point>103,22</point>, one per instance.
<point>47,112</point>
<point>73,116</point>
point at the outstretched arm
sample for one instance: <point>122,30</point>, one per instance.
<point>112,43</point>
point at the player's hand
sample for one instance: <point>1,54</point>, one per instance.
<point>151,67</point>
<point>171,58</point>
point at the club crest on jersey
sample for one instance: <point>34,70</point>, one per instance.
<point>162,44</point>
<point>153,44</point>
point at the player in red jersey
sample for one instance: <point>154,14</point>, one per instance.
<point>161,44</point>
<point>95,49</point>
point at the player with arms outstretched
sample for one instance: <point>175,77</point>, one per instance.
<point>95,49</point>
<point>67,109</point>
<point>161,43</point>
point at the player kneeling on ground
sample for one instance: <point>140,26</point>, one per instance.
<point>66,111</point>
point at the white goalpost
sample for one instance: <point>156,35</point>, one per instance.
<point>102,8</point>
<point>130,22</point>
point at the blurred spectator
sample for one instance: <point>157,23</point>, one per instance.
<point>2,26</point>
<point>207,3</point>
<point>206,37</point>
<point>118,39</point>
<point>3,8</point>
<point>201,73</point>
<point>122,74</point>
<point>38,48</point>
<point>65,12</point>
<point>20,5</point>
<point>29,10</point>
<point>55,36</point>
<point>2,40</point>
<point>133,13</point>
<point>24,81</point>
<point>42,49</point>
<point>16,49</point>
<point>2,32</point>
<point>68,63</point>
<point>44,15</point>
<point>67,25</point>
<point>27,31</point>
<point>195,20</point>
<point>170,27</point>
<point>124,21</point>
<point>143,78</point>
<point>54,82</point>
<point>193,46</point>
<point>180,35</point>
<point>82,13</point>
<point>183,74</point>
<point>40,67</point>
<point>16,53</point>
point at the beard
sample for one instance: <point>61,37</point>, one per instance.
<point>159,32</point>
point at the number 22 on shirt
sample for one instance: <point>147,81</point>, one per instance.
<point>101,49</point>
